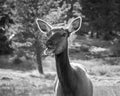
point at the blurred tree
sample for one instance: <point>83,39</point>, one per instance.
<point>69,9</point>
<point>103,17</point>
<point>6,13</point>
<point>28,36</point>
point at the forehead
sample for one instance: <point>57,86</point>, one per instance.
<point>58,31</point>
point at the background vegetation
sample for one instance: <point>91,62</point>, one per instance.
<point>21,37</point>
<point>96,45</point>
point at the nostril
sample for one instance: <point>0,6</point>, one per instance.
<point>50,45</point>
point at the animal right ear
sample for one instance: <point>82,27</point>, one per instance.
<point>75,25</point>
<point>43,26</point>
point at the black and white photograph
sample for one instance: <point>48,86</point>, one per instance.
<point>59,47</point>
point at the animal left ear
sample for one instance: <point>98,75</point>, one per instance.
<point>75,25</point>
<point>43,26</point>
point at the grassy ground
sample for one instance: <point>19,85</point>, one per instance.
<point>31,83</point>
<point>17,83</point>
<point>24,80</point>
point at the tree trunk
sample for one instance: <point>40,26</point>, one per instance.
<point>91,34</point>
<point>38,49</point>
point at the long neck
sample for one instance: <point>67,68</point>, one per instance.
<point>64,70</point>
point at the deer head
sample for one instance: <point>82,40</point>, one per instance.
<point>58,36</point>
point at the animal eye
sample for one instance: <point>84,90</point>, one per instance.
<point>64,34</point>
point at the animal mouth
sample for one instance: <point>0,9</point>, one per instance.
<point>49,51</point>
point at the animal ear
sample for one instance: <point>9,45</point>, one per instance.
<point>43,26</point>
<point>75,25</point>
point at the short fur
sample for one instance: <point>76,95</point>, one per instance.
<point>71,80</point>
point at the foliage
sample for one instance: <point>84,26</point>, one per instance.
<point>24,13</point>
<point>103,16</point>
<point>28,39</point>
<point>6,19</point>
<point>99,17</point>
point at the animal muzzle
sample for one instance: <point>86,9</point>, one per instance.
<point>49,51</point>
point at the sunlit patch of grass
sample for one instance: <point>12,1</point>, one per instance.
<point>49,64</point>
<point>107,91</point>
<point>99,67</point>
<point>99,70</point>
<point>13,90</point>
<point>107,70</point>
<point>18,85</point>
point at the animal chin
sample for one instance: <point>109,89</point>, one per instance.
<point>57,52</point>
